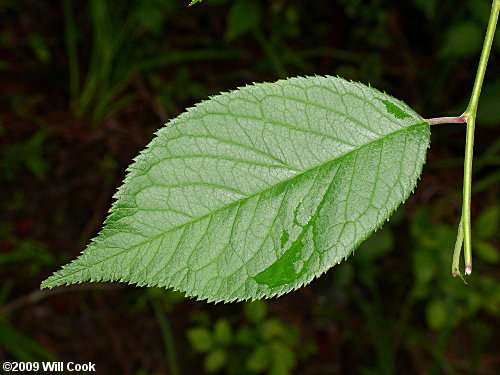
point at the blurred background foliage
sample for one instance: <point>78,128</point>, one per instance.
<point>83,87</point>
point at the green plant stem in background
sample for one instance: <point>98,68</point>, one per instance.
<point>168,337</point>
<point>71,40</point>
<point>464,229</point>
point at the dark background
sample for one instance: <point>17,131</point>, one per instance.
<point>83,86</point>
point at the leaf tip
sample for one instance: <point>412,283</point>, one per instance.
<point>47,283</point>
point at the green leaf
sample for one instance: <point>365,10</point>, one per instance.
<point>424,268</point>
<point>486,225</point>
<point>436,314</point>
<point>256,192</point>
<point>243,17</point>
<point>222,332</point>
<point>259,359</point>
<point>283,359</point>
<point>462,40</point>
<point>215,361</point>
<point>489,111</point>
<point>21,347</point>
<point>194,2</point>
<point>487,251</point>
<point>247,336</point>
<point>200,339</point>
<point>271,329</point>
<point>255,312</point>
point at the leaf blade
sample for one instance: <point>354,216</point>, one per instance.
<point>255,195</point>
<point>194,2</point>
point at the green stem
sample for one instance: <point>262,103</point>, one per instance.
<point>168,337</point>
<point>471,112</point>
<point>271,53</point>
<point>71,40</point>
<point>455,266</point>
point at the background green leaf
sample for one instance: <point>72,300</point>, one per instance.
<point>462,40</point>
<point>243,17</point>
<point>200,338</point>
<point>256,192</point>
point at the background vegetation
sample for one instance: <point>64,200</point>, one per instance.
<point>83,86</point>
